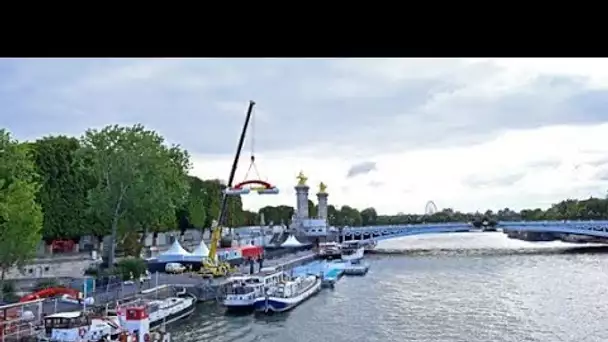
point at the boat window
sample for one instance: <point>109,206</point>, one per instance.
<point>241,290</point>
<point>66,323</point>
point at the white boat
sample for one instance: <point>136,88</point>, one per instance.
<point>160,312</point>
<point>329,250</point>
<point>288,294</point>
<point>356,268</point>
<point>244,290</point>
<point>76,326</point>
<point>352,251</point>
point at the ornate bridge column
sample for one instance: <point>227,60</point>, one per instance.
<point>322,198</point>
<point>302,197</point>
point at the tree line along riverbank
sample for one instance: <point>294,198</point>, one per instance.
<point>128,180</point>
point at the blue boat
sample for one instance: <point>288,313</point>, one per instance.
<point>287,295</point>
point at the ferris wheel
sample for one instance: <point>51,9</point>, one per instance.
<point>430,208</point>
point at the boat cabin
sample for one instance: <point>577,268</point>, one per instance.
<point>293,287</point>
<point>245,284</point>
<point>329,249</point>
<point>351,244</point>
<point>66,321</point>
<point>76,326</point>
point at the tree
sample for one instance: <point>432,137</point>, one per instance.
<point>20,214</point>
<point>213,198</point>
<point>332,215</point>
<point>193,213</point>
<point>196,203</point>
<point>63,187</point>
<point>140,182</point>
<point>348,216</point>
<point>369,217</point>
<point>251,218</point>
<point>277,215</point>
<point>234,214</point>
<point>312,209</point>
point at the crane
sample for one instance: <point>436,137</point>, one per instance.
<point>212,265</point>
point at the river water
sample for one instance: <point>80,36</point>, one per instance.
<point>468,287</point>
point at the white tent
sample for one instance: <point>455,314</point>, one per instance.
<point>175,253</point>
<point>201,250</point>
<point>291,242</point>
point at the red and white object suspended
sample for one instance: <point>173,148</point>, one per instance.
<point>252,185</point>
<point>259,186</point>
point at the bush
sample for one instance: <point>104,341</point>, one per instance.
<point>8,293</point>
<point>92,271</point>
<point>45,284</point>
<point>131,267</point>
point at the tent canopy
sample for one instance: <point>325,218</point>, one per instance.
<point>201,250</point>
<point>291,242</point>
<point>176,252</point>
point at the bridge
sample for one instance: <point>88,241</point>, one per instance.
<point>572,231</point>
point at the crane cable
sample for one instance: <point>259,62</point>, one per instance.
<point>252,158</point>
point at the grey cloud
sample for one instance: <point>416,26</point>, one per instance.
<point>201,103</point>
<point>602,174</point>
<point>375,184</point>
<point>481,182</point>
<point>361,169</point>
<point>542,164</point>
<point>598,162</point>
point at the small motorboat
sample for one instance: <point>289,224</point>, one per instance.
<point>288,294</point>
<point>329,250</point>
<point>356,268</point>
<point>352,251</point>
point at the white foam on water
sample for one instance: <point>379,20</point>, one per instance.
<point>475,240</point>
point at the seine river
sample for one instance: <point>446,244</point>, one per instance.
<point>469,287</point>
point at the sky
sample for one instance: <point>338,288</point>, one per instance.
<point>468,134</point>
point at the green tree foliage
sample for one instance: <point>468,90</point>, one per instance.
<point>234,214</point>
<point>348,216</point>
<point>277,215</point>
<point>590,209</point>
<point>197,214</point>
<point>332,214</point>
<point>140,182</point>
<point>203,206</point>
<point>250,218</point>
<point>213,200</point>
<point>312,209</point>
<point>64,188</point>
<point>131,268</point>
<point>369,217</point>
<point>20,214</point>
<point>8,291</point>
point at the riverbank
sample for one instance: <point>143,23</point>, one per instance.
<point>204,289</point>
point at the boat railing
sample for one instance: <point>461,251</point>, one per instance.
<point>157,288</point>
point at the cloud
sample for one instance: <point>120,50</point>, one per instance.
<point>361,169</point>
<point>479,181</point>
<point>468,133</point>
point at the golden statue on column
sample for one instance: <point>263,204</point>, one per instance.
<point>301,178</point>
